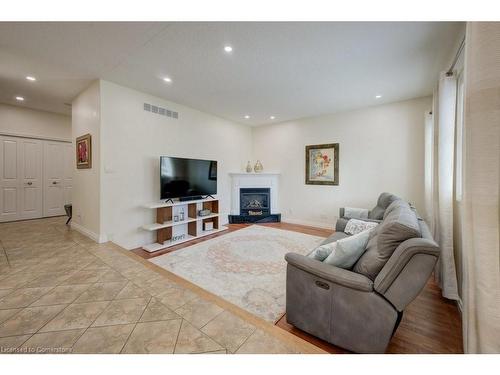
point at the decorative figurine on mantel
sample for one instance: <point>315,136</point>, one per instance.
<point>249,167</point>
<point>258,168</point>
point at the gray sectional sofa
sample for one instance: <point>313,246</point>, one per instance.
<point>359,309</point>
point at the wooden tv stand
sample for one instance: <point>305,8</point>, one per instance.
<point>192,227</point>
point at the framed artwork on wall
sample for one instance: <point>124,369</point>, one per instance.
<point>322,164</point>
<point>84,151</point>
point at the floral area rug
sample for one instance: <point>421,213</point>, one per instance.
<point>246,267</point>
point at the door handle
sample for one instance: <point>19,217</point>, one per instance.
<point>30,183</point>
<point>54,182</point>
<point>322,285</point>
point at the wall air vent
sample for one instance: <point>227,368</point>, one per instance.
<point>160,111</point>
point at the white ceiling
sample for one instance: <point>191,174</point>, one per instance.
<point>289,70</point>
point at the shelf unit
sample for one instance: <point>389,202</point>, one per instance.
<point>191,227</point>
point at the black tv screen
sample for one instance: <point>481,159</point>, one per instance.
<point>181,178</point>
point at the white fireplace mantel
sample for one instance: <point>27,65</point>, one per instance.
<point>254,180</point>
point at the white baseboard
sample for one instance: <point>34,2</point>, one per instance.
<point>308,223</point>
<point>86,232</point>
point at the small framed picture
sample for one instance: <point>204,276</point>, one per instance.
<point>84,151</point>
<point>322,164</point>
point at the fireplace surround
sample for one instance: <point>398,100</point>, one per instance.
<point>254,198</point>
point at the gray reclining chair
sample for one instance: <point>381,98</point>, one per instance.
<point>360,309</point>
<point>375,214</point>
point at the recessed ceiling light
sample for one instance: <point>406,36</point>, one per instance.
<point>378,96</point>
<point>19,98</point>
<point>247,117</point>
<point>228,49</point>
<point>272,117</point>
<point>167,79</point>
<point>30,78</point>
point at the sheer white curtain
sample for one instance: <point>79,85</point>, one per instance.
<point>439,180</point>
<point>481,287</point>
<point>429,170</point>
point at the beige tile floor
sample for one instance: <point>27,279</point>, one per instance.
<point>60,292</point>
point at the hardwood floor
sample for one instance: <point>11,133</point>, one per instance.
<point>430,324</point>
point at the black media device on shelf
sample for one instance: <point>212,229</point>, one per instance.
<point>190,198</point>
<point>187,179</point>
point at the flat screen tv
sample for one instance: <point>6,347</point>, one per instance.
<point>187,178</point>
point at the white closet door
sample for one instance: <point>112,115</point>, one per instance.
<point>9,179</point>
<point>31,178</point>
<point>53,170</point>
<point>20,178</point>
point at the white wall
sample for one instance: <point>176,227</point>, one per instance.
<point>86,182</point>
<point>33,123</point>
<point>381,149</point>
<point>132,141</point>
